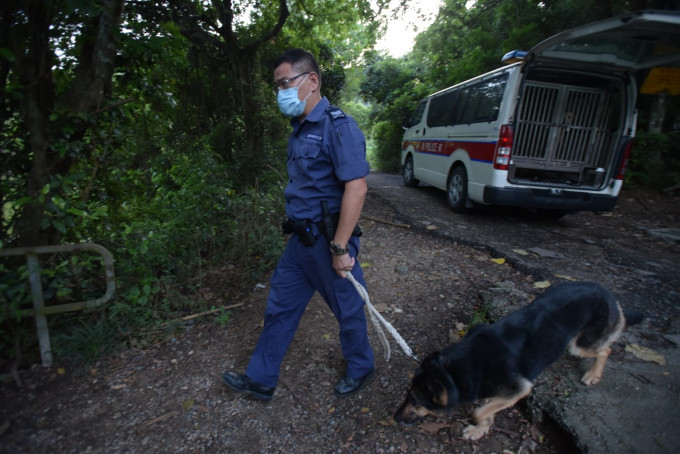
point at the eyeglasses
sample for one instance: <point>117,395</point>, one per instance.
<point>282,85</point>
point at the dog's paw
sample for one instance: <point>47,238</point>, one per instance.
<point>590,378</point>
<point>473,432</point>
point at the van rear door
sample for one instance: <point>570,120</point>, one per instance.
<point>634,42</point>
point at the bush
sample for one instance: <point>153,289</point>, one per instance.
<point>386,153</point>
<point>654,161</point>
<point>179,217</point>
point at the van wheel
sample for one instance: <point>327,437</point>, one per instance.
<point>456,190</point>
<point>407,172</point>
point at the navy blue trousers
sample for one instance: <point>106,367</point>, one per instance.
<point>301,271</point>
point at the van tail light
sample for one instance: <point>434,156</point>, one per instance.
<point>501,159</point>
<point>624,162</point>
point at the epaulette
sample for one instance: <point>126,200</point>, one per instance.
<point>335,113</point>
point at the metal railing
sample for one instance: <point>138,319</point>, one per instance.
<point>40,311</point>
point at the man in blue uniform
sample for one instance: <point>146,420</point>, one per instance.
<point>326,167</point>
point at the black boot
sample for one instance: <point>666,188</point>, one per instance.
<point>241,383</point>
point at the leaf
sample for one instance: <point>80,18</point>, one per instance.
<point>6,54</point>
<point>365,265</point>
<point>646,354</point>
<point>188,404</point>
<point>59,226</point>
<point>568,278</point>
<point>542,284</point>
<point>433,427</point>
<point>61,371</point>
<point>520,252</point>
<point>365,410</point>
<point>500,261</point>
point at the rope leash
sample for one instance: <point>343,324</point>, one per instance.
<point>377,318</point>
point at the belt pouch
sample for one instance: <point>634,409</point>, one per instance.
<point>304,230</point>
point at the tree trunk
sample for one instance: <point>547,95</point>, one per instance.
<point>250,157</point>
<point>35,76</point>
<point>86,93</point>
<point>657,112</point>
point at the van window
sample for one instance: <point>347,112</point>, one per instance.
<point>481,102</point>
<point>476,103</point>
<point>417,114</point>
<point>441,111</point>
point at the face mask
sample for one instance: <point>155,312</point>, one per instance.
<point>289,102</point>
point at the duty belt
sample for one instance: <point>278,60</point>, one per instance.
<point>301,226</point>
<point>304,228</point>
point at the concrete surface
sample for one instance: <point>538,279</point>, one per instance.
<point>635,409</point>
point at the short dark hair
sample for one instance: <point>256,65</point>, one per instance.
<point>300,60</point>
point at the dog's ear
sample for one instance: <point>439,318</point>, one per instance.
<point>437,388</point>
<point>438,393</point>
<point>441,389</point>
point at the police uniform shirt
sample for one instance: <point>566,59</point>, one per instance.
<point>324,150</point>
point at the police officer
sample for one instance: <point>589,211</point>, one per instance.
<point>326,162</point>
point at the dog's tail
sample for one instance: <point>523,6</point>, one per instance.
<point>633,317</point>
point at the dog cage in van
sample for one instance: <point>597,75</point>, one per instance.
<point>565,134</point>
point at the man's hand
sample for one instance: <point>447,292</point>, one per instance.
<point>343,263</point>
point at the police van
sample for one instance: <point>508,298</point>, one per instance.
<point>552,130</point>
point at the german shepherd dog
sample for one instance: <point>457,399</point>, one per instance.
<point>498,363</point>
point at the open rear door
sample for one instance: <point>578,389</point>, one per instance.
<point>636,41</point>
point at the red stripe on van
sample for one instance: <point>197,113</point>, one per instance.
<point>478,151</point>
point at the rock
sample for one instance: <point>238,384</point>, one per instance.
<point>502,299</point>
<point>545,253</point>
<point>671,236</point>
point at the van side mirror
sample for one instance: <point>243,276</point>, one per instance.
<point>406,123</point>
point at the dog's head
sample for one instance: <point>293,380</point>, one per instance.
<point>432,391</point>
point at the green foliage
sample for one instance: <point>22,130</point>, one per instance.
<point>65,278</point>
<point>14,293</point>
<point>83,340</point>
<point>387,152</point>
<point>224,317</point>
<point>187,218</point>
<point>479,317</point>
<point>654,161</point>
<point>394,87</point>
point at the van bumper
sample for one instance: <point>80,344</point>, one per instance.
<point>549,199</point>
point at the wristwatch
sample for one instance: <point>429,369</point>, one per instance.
<point>336,249</point>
